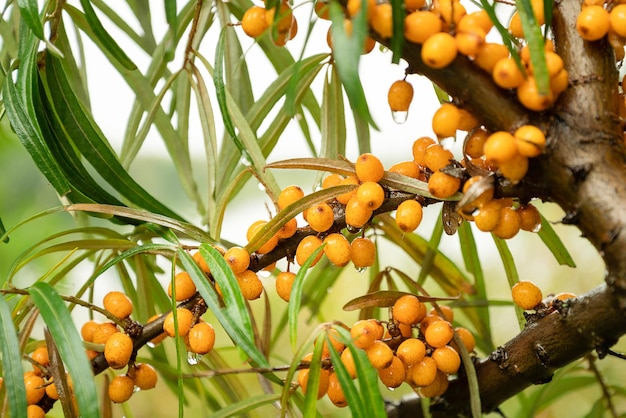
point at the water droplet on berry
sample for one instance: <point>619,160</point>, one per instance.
<point>537,228</point>
<point>361,269</point>
<point>264,273</point>
<point>399,116</point>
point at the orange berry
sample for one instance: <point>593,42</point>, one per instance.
<point>489,54</point>
<point>424,372</point>
<point>184,286</point>
<point>406,310</point>
<point>447,359</point>
<point>509,223</point>
<point>303,379</point>
<point>331,180</point>
<point>118,349</point>
<point>118,304</point>
<point>526,294</point>
<point>354,6</point>
<point>467,121</point>
<point>284,283</point>
<point>481,194</point>
<point>121,388</point>
<point>442,185</point>
<point>335,392</point>
<point>320,217</point>
<point>488,216</point>
<point>530,140</point>
<point>201,338</point>
<point>197,257</point>
<point>369,168</point>
<point>357,215</point>
<point>381,20</point>
<point>345,197</point>
<point>370,195</point>
<point>515,26</point>
<point>238,259</point>
<point>393,375</point>
<point>414,4</point>
<point>409,215</point>
<point>439,333</point>
<point>559,82</point>
<point>448,313</point>
<point>35,388</point>
<point>421,25</point>
<point>411,351</point>
<point>450,11</point>
<point>250,285</point>
<point>530,219</point>
<point>469,41</point>
<point>406,168</point>
<point>253,21</point>
<point>348,362</point>
<point>288,229</point>
<point>507,74</point>
<point>437,157</point>
<point>40,355</point>
<point>185,317</point>
<point>281,21</point>
<point>268,245</point>
<point>446,120</point>
<point>363,252</point>
<point>144,376</point>
<point>500,147</point>
<point>337,249</point>
<point>439,50</point>
<point>529,96</point>
<point>289,195</point>
<point>364,333</point>
<point>306,247</point>
<point>87,330</point>
<point>475,142</point>
<point>467,338</point>
<point>593,23</point>
<point>419,149</point>
<point>400,96</point>
<point>322,9</point>
<point>514,169</point>
<point>617,18</point>
<point>102,333</point>
<point>564,296</point>
<point>437,388</point>
<point>35,411</point>
<point>379,354</point>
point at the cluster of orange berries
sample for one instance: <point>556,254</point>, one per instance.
<point>599,18</point>
<point>280,20</point>
<point>527,295</point>
<point>424,361</point>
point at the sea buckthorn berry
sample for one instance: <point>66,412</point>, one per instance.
<point>35,411</point>
<point>424,372</point>
<point>288,229</point>
<point>530,98</point>
<point>282,21</point>
<point>354,6</point>
<point>400,96</point>
<point>345,197</point>
<point>419,149</point>
<point>439,333</point>
<point>500,147</point>
<point>201,338</point>
<point>409,215</point>
<point>320,217</point>
<point>617,18</point>
<point>51,390</point>
<point>554,64</point>
<point>337,249</point>
<point>369,168</point>
<point>102,333</point>
<point>197,257</point>
<point>363,252</point>
<point>530,140</point>
<point>348,362</point>
<point>475,142</point>
<point>421,25</point>
<point>508,224</point>
<point>331,180</point>
<point>335,341</point>
<point>489,54</point>
<point>379,354</point>
<point>448,313</point>
<point>411,351</point>
<point>303,379</point>
<point>559,82</point>
<point>564,296</point>
<point>118,304</point>
<point>253,21</point>
<point>185,317</point>
<point>268,245</point>
<point>593,23</point>
<point>515,26</point>
<point>87,330</point>
<point>450,11</point>
<point>526,294</point>
<point>381,20</point>
<point>118,349</point>
<point>469,41</point>
<point>121,388</point>
<point>335,392</point>
<point>437,388</point>
<point>364,333</point>
<point>306,247</point>
<point>478,18</point>
<point>393,375</point>
<point>467,338</point>
<point>446,120</point>
<point>289,195</point>
<point>514,169</point>
<point>284,283</point>
<point>407,168</point>
<point>184,286</point>
<point>467,121</point>
<point>370,195</point>
<point>507,74</point>
<point>159,338</point>
<point>406,309</point>
<point>40,355</point>
<point>530,219</point>
<point>447,359</point>
<point>481,194</point>
<point>250,285</point>
<point>238,259</point>
<point>488,216</point>
<point>439,50</point>
<point>144,376</point>
<point>414,4</point>
<point>442,185</point>
<point>35,388</point>
<point>437,157</point>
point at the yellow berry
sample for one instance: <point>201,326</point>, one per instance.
<point>529,96</point>
<point>409,215</point>
<point>450,11</point>
<point>184,286</point>
<point>144,376</point>
<point>331,180</point>
<point>442,185</point>
<point>489,54</point>
<point>284,283</point>
<point>121,388</point>
<point>118,304</point>
<point>447,359</point>
<point>306,247</point>
<point>381,20</point>
<point>253,21</point>
<point>400,96</point>
<point>469,41</point>
<point>593,23</point>
<point>526,294</point>
<point>337,249</point>
<point>439,333</point>
<point>238,259</point>
<point>411,351</point>
<point>446,120</point>
<point>500,147</point>
<point>379,354</point>
<point>369,168</point>
<point>102,333</point>
<point>363,252</point>
<point>393,375</point>
<point>185,317</point>
<point>439,50</point>
<point>35,388</point>
<point>289,195</point>
<point>478,19</point>
<point>514,169</point>
<point>320,217</point>
<point>617,18</point>
<point>406,310</point>
<point>507,74</point>
<point>250,285</point>
<point>335,392</point>
<point>201,338</point>
<point>421,25</point>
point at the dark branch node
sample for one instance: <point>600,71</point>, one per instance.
<point>500,356</point>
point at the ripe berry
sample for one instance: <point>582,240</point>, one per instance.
<point>121,388</point>
<point>500,147</point>
<point>363,252</point>
<point>617,18</point>
<point>447,359</point>
<point>185,317</point>
<point>345,197</point>
<point>439,50</point>
<point>284,283</point>
<point>481,192</point>
<point>197,257</point>
<point>406,168</point>
<point>593,23</point>
<point>102,333</point>
<point>442,185</point>
<point>515,169</point>
<point>35,411</point>
<point>268,245</point>
<point>530,140</point>
<point>488,216</point>
<point>348,362</point>
<point>118,349</point>
<point>421,25</point>
<point>282,20</point>
<point>437,388</point>
<point>118,304</point>
<point>369,168</point>
<point>201,338</point>
<point>238,259</point>
<point>479,19</point>
<point>287,230</point>
<point>379,354</point>
<point>439,333</point>
<point>303,379</point>
<point>509,223</point>
<point>253,21</point>
<point>370,195</point>
<point>335,392</point>
<point>381,20</point>
<point>448,313</point>
<point>446,120</point>
<point>470,40</point>
<point>419,149</point>
<point>35,388</point>
<point>144,376</point>
<point>337,249</point>
<point>489,54</point>
<point>250,285</point>
<point>530,219</point>
<point>450,11</point>
<point>467,121</point>
<point>437,157</point>
<point>289,195</point>
<point>184,286</point>
<point>40,355</point>
<point>364,333</point>
<point>526,294</point>
<point>424,372</point>
<point>320,217</point>
<point>529,96</point>
<point>87,330</point>
<point>306,247</point>
<point>467,338</point>
<point>407,309</point>
<point>400,96</point>
<point>393,375</point>
<point>411,351</point>
<point>507,74</point>
<point>475,142</point>
<point>331,180</point>
<point>409,215</point>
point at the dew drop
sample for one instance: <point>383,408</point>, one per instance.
<point>151,344</point>
<point>264,273</point>
<point>136,389</point>
<point>261,187</point>
<point>193,358</point>
<point>352,229</point>
<point>244,160</point>
<point>537,228</point>
<point>399,116</point>
<point>391,389</point>
<point>361,269</point>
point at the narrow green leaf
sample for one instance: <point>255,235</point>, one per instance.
<point>534,37</point>
<point>246,405</point>
<point>551,239</point>
<point>58,319</point>
<point>107,40</point>
<point>511,273</point>
<point>30,13</point>
<point>313,379</point>
<point>12,370</point>
<point>362,134</point>
<point>397,38</point>
<point>507,38</point>
<point>295,299</point>
<point>3,232</point>
<point>333,117</point>
<point>170,14</point>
